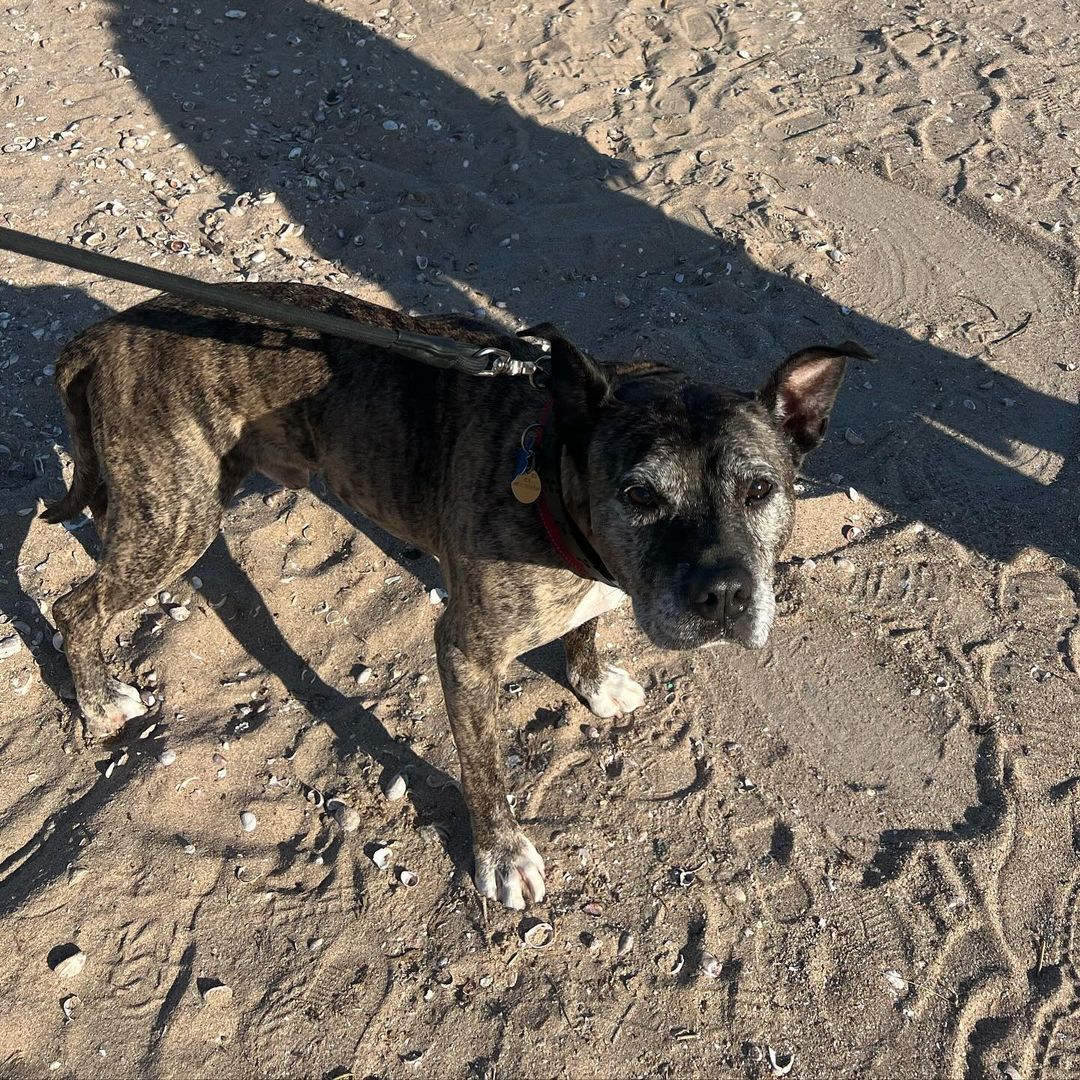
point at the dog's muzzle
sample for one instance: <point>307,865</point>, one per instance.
<point>722,595</point>
<point>712,606</point>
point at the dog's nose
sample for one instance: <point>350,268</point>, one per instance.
<point>721,593</point>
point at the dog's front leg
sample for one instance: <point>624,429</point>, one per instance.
<point>508,867</point>
<point>606,689</point>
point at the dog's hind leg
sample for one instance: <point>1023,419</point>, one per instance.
<point>607,690</point>
<point>152,535</point>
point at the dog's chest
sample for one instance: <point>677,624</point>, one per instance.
<point>598,600</point>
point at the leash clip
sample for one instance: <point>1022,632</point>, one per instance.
<point>500,362</point>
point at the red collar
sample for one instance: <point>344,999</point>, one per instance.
<point>569,542</point>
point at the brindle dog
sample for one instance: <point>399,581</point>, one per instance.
<point>683,488</point>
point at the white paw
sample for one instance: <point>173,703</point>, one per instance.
<point>616,694</point>
<point>124,704</point>
<point>510,871</point>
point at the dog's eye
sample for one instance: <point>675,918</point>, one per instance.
<point>758,490</point>
<point>641,496</point>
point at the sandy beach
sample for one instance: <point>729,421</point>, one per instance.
<point>851,854</point>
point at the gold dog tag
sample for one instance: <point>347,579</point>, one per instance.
<point>526,486</point>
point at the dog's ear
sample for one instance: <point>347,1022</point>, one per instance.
<point>576,382</point>
<point>801,391</point>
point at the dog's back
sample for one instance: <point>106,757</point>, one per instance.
<point>235,388</point>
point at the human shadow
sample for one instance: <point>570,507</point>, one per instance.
<point>408,179</point>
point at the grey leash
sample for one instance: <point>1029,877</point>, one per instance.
<point>428,349</point>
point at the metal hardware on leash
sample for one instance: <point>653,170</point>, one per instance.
<point>429,349</point>
<point>502,363</point>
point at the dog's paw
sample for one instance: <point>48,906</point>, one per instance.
<point>613,694</point>
<point>511,871</point>
<point>121,704</point>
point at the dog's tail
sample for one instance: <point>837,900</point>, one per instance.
<point>74,368</point>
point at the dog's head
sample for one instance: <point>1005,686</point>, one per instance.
<point>686,488</point>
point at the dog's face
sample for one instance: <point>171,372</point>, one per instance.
<point>687,489</point>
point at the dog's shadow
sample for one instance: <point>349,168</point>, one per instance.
<point>433,794</point>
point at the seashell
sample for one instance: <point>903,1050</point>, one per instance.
<point>852,533</point>
<point>71,1005</point>
<point>381,857</point>
<point>347,817</point>
<point>248,821</point>
<point>408,879</point>
<point>538,934</point>
<point>219,995</point>
<point>314,796</point>
<point>10,645</point>
<point>626,943</point>
<point>853,438</point>
<point>896,980</point>
<point>363,676</point>
<point>167,757</point>
<point>780,1061</point>
<point>711,967</point>
<point>678,965</point>
<point>396,787</point>
<point>179,613</point>
<point>437,596</point>
<point>70,964</point>
<point>58,641</point>
<point>94,239</point>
